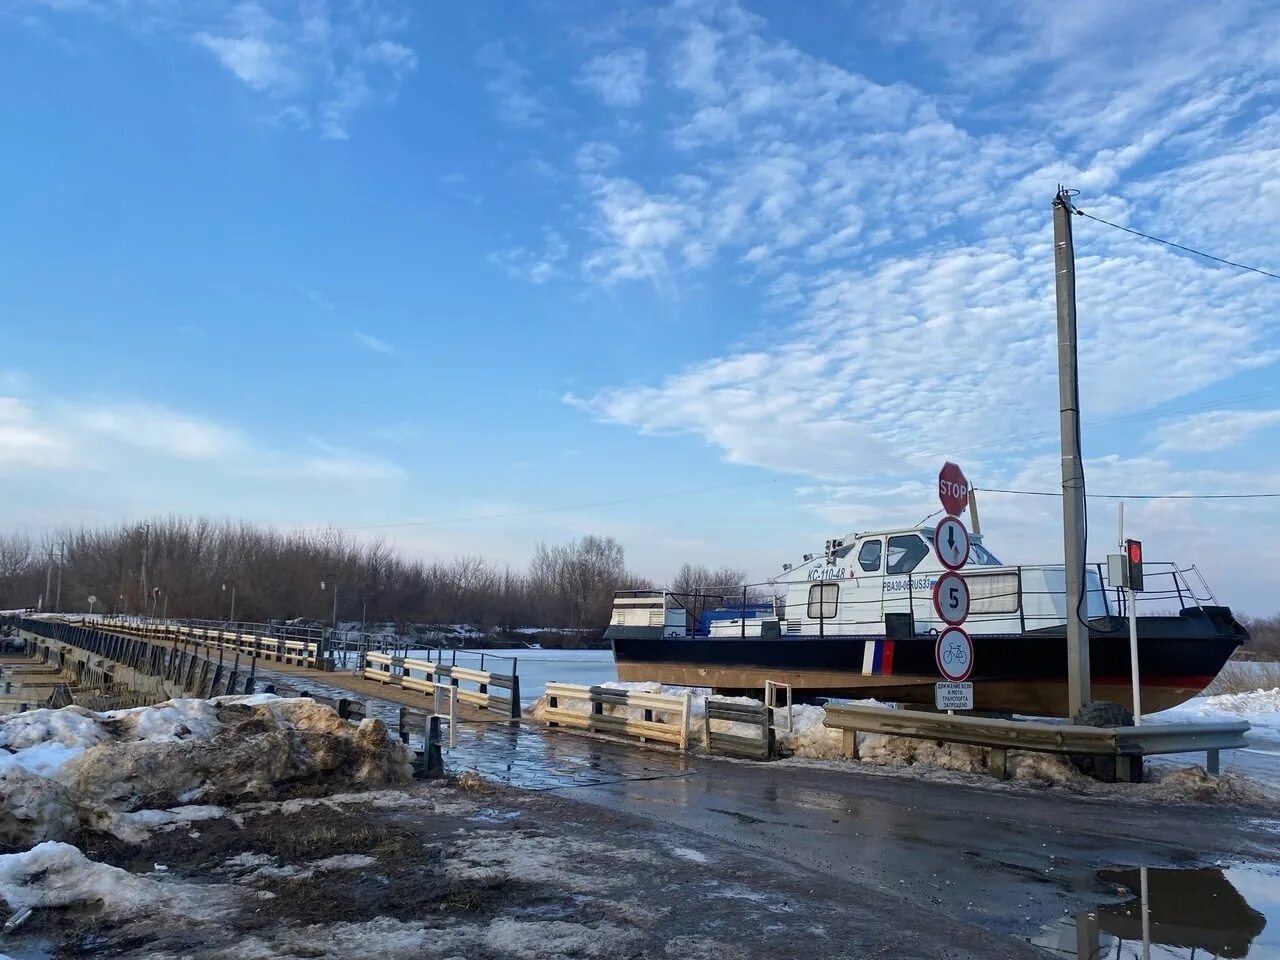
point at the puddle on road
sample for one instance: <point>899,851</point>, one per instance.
<point>1231,913</point>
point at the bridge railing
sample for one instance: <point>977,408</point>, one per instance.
<point>492,691</point>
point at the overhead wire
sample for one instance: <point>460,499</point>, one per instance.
<point>1137,496</point>
<point>1003,441</point>
<point>1180,246</point>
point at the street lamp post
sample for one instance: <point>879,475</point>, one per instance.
<point>155,601</point>
<point>92,601</point>
<point>232,584</point>
<point>326,584</point>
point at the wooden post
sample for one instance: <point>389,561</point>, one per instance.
<point>1000,762</point>
<point>432,759</point>
<point>849,744</point>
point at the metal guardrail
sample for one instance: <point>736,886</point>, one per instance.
<point>183,669</point>
<point>494,691</point>
<point>673,730</point>
<point>1123,743</point>
<point>273,649</point>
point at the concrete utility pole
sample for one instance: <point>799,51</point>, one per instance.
<point>146,544</point>
<point>62,558</point>
<point>48,579</point>
<point>1073,507</point>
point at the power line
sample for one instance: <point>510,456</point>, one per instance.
<point>1139,496</point>
<point>1180,246</point>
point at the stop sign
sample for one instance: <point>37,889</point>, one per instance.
<point>953,489</point>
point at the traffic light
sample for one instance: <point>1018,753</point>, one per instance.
<point>1133,564</point>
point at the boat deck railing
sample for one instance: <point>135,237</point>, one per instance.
<point>1002,601</point>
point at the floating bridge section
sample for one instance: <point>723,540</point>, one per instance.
<point>156,661</point>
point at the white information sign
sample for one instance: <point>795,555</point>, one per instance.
<point>951,542</point>
<point>953,696</point>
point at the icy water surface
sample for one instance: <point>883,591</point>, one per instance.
<point>537,667</point>
<point>1232,912</point>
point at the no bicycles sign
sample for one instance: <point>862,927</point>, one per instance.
<point>954,653</point>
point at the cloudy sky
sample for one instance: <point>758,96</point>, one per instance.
<point>719,279</point>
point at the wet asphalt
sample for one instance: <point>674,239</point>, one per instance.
<point>1010,862</point>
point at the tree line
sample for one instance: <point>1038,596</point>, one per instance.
<point>197,568</point>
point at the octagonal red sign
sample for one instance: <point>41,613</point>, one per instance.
<point>953,489</point>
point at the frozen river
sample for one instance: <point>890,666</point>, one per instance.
<point>538,667</point>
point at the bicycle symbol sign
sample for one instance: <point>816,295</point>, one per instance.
<point>954,653</point>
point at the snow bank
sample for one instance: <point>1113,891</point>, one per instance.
<point>53,874</point>
<point>180,753</point>
<point>1260,707</point>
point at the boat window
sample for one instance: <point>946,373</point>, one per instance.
<point>906,552</point>
<point>869,556</point>
<point>822,601</point>
<point>992,592</point>
<point>978,554</point>
<point>982,556</point>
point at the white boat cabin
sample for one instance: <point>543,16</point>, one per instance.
<point>861,581</point>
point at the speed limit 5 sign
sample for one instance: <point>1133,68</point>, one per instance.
<point>951,598</point>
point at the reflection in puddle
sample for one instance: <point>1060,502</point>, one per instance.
<point>1188,914</point>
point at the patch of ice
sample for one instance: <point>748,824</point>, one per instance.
<point>688,853</point>
<point>540,939</point>
<point>136,826</point>
<point>345,861</point>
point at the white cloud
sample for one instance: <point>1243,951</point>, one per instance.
<point>252,59</point>
<point>617,77</point>
<point>1214,430</point>
<point>594,156</point>
<point>534,266</point>
<point>25,443</point>
<point>912,256</point>
<point>316,63</point>
<point>376,344</point>
<point>508,83</point>
<point>157,428</point>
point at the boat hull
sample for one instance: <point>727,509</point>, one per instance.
<point>1016,673</point>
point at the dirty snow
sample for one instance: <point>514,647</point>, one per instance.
<point>114,771</point>
<point>810,740</point>
<point>53,874</point>
<point>526,856</point>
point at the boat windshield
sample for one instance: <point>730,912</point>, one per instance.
<point>978,554</point>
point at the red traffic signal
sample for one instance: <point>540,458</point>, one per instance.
<point>1133,556</point>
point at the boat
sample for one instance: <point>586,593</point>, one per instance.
<point>858,621</point>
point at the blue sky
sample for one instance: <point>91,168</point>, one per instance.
<point>523,270</point>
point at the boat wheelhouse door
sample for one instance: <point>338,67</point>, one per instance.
<point>904,592</point>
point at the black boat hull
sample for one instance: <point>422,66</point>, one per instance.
<point>1020,673</point>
